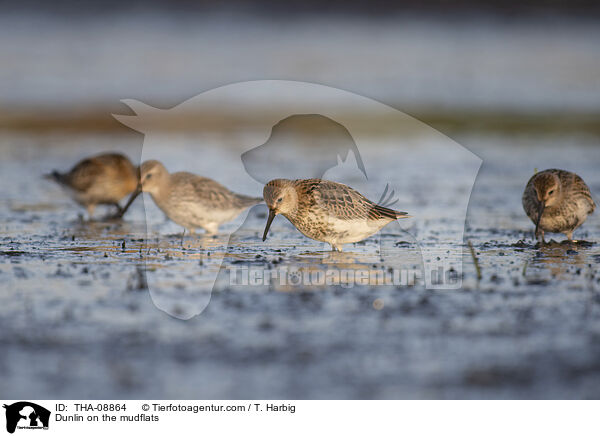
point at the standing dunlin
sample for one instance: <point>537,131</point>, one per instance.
<point>102,179</point>
<point>326,211</point>
<point>190,200</point>
<point>557,201</point>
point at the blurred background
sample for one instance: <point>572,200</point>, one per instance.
<point>532,64</point>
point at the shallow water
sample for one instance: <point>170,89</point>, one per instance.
<point>79,319</point>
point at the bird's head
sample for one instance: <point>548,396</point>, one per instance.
<point>547,188</point>
<point>281,198</point>
<point>153,175</point>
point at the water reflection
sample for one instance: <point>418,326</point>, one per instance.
<point>559,259</point>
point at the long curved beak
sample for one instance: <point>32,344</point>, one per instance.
<point>272,214</point>
<point>539,218</point>
<point>133,196</point>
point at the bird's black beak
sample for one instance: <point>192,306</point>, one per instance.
<point>133,196</point>
<point>539,218</point>
<point>272,214</point>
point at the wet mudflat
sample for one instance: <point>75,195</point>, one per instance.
<point>78,300</point>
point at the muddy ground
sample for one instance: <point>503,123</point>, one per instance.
<point>79,315</point>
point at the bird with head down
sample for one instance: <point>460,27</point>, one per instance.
<point>557,201</point>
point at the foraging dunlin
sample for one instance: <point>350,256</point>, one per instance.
<point>190,200</point>
<point>326,211</point>
<point>102,179</point>
<point>557,201</point>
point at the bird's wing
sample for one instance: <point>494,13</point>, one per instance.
<point>84,174</point>
<point>193,188</point>
<point>578,188</point>
<point>343,202</point>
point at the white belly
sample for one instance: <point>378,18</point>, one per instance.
<point>337,231</point>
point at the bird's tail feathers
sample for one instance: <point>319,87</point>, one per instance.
<point>55,176</point>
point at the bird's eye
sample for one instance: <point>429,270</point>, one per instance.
<point>280,199</point>
<point>148,176</point>
<point>551,192</point>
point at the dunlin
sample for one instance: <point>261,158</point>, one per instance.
<point>557,201</point>
<point>102,179</point>
<point>190,200</point>
<point>326,211</point>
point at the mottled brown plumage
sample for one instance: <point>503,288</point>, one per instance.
<point>557,201</point>
<point>190,200</point>
<point>102,179</point>
<point>326,211</point>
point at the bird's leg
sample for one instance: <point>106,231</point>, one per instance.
<point>118,214</point>
<point>539,235</point>
<point>335,247</point>
<point>90,210</point>
<point>570,236</point>
<point>211,229</point>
